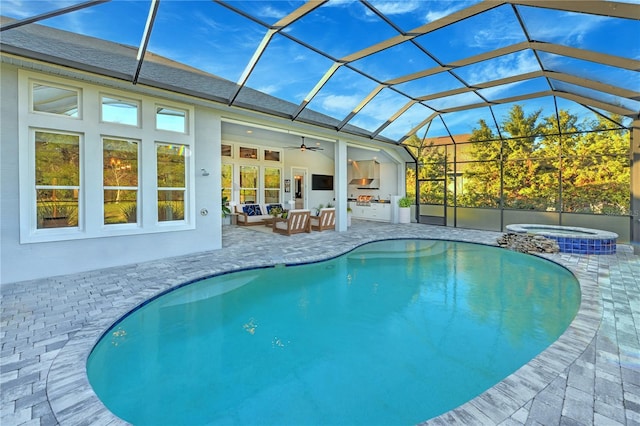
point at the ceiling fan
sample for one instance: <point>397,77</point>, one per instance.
<point>303,147</point>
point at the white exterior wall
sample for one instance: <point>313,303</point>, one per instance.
<point>24,260</point>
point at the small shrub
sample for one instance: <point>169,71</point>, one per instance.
<point>405,201</point>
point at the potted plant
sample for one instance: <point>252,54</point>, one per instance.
<point>404,210</point>
<point>226,212</point>
<point>276,212</point>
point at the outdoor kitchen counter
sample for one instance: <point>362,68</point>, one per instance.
<point>379,211</point>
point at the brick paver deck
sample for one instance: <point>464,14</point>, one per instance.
<point>591,375</point>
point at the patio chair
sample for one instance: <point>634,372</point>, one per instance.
<point>326,219</point>
<point>296,221</point>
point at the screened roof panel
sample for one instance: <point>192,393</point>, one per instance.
<point>269,12</point>
<point>504,66</point>
<point>468,98</point>
<point>413,116</point>
<point>331,63</point>
<point>225,40</point>
<point>596,33</point>
<point>409,15</point>
<point>545,105</point>
<point>379,109</point>
<point>298,69</point>
<point>324,28</point>
<point>519,88</point>
<point>464,122</point>
<point>482,33</point>
<point>437,129</point>
<point>597,95</point>
<point>591,70</point>
<point>584,114</point>
<point>90,20</point>
<point>397,61</point>
<point>342,93</point>
<point>624,121</point>
<point>436,83</point>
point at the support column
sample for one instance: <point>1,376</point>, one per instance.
<point>340,185</point>
<point>635,186</point>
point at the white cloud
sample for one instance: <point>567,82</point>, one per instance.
<point>506,66</point>
<point>272,12</point>
<point>572,31</point>
<point>340,103</point>
<point>444,8</point>
<point>396,7</point>
<point>269,89</point>
<point>434,15</point>
<point>16,9</point>
<point>73,21</point>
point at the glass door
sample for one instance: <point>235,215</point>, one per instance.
<point>432,201</point>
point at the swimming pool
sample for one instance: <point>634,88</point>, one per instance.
<point>393,332</point>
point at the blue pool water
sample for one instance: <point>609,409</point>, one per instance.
<point>394,332</point>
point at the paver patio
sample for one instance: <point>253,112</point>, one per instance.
<point>591,375</point>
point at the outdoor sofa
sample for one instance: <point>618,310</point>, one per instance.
<point>254,214</point>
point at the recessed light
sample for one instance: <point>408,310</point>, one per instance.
<point>249,131</point>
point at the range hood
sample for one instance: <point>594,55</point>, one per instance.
<point>366,174</point>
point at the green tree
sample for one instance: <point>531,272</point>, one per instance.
<point>521,165</point>
<point>479,165</point>
<point>432,170</point>
<point>596,170</point>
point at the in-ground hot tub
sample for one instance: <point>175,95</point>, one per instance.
<point>572,239</point>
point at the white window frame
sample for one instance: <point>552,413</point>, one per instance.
<point>279,151</point>
<point>78,91</point>
<point>92,129</point>
<point>124,188</point>
<point>185,188</point>
<point>137,102</point>
<point>169,106</point>
<point>263,185</point>
<point>33,188</point>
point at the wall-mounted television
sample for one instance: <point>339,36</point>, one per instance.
<point>322,182</point>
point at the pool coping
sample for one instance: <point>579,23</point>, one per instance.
<point>594,234</point>
<point>73,400</point>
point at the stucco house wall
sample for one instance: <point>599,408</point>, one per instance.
<point>24,260</point>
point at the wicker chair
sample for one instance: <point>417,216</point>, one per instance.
<point>296,221</point>
<point>326,219</point>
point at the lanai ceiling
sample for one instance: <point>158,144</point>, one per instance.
<point>379,69</point>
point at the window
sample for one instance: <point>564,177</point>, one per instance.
<point>84,174</point>
<point>172,119</point>
<point>121,111</point>
<point>55,100</point>
<point>271,185</point>
<point>172,181</point>
<point>227,181</point>
<point>248,152</point>
<point>270,155</point>
<point>226,150</point>
<point>57,179</point>
<point>120,180</point>
<point>248,184</point>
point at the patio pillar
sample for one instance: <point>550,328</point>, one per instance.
<point>635,186</point>
<point>340,185</point>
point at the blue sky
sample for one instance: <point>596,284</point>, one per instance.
<point>210,37</point>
